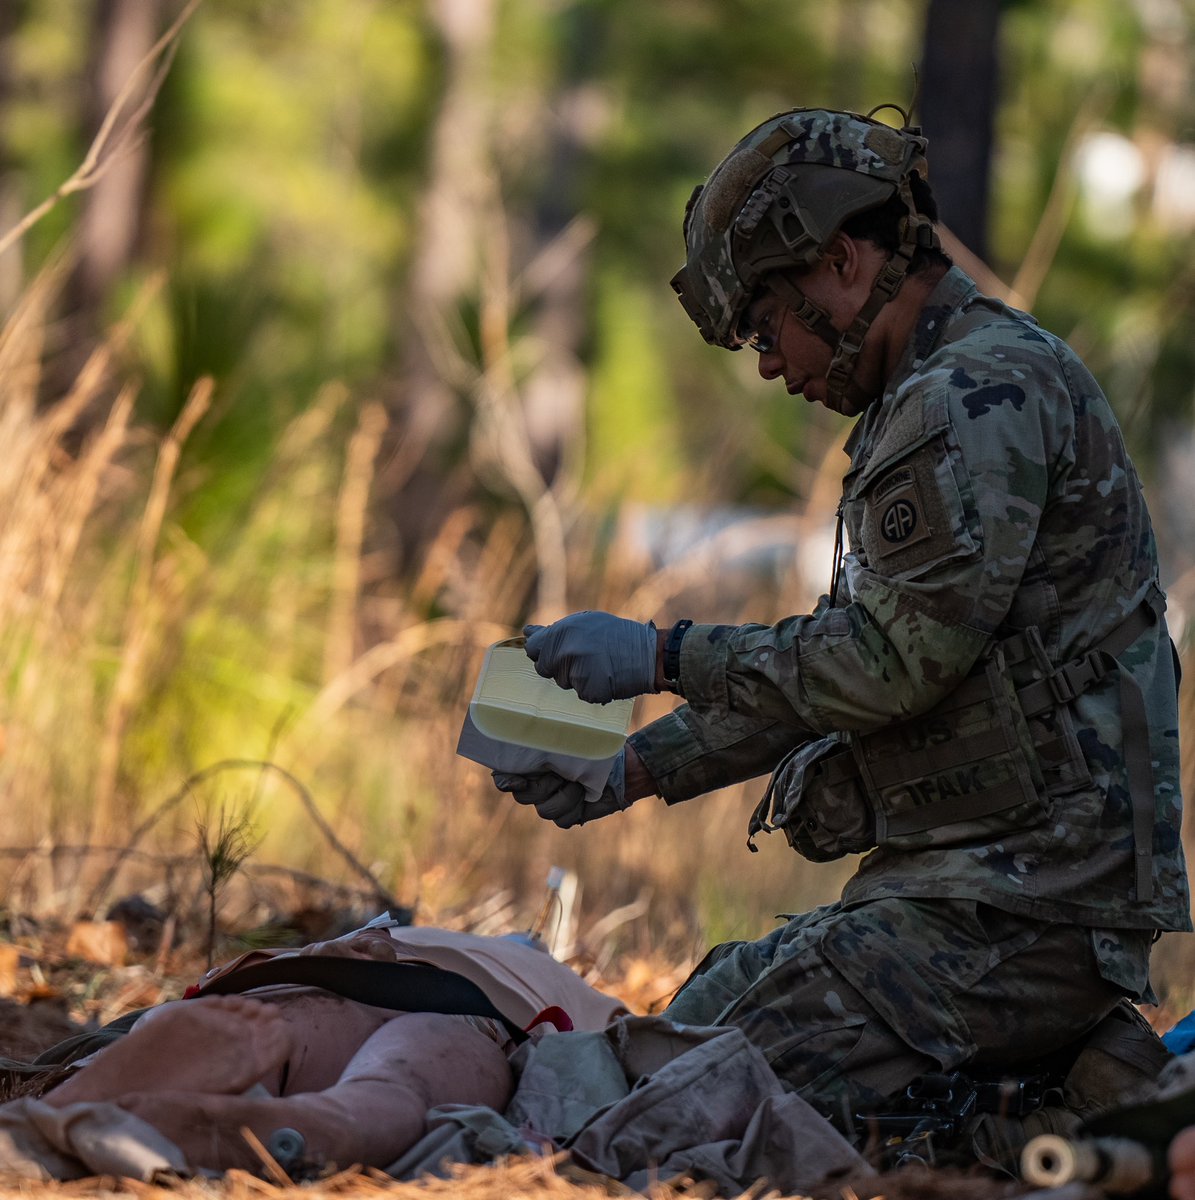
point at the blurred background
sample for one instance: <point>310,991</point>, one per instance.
<point>337,342</point>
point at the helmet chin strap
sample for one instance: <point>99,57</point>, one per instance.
<point>917,231</point>
<point>811,315</point>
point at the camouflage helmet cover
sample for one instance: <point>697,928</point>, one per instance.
<point>777,200</point>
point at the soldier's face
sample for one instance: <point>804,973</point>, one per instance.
<point>839,284</point>
<point>788,350</point>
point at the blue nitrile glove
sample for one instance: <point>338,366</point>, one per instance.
<point>563,801</point>
<point>1181,1039</point>
<point>600,656</point>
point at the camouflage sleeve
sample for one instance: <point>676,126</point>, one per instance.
<point>688,753</point>
<point>942,514</point>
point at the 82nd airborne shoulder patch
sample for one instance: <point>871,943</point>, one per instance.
<point>905,522</point>
<point>900,513</point>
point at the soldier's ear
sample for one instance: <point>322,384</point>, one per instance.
<point>842,256</point>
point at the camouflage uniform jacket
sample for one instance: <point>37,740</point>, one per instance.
<point>1031,514</point>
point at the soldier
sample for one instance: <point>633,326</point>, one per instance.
<point>985,702</point>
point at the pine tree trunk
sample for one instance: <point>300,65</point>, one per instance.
<point>113,210</point>
<point>959,91</point>
<point>11,199</point>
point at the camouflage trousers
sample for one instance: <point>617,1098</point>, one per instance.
<point>849,1005</point>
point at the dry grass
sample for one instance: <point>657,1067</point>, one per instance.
<point>519,1179</point>
<point>534,1179</point>
<point>133,658</point>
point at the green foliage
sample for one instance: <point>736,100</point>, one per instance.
<point>634,448</point>
<point>37,127</point>
<point>288,145</point>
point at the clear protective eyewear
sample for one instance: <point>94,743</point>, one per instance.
<point>761,337</point>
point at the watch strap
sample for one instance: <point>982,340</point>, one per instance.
<point>671,662</point>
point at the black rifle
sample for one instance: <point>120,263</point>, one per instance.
<point>926,1123</point>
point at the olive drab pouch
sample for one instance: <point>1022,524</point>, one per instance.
<point>815,796</point>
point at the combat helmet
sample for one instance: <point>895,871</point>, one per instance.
<point>774,204</point>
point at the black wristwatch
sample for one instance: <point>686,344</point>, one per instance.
<point>671,662</point>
